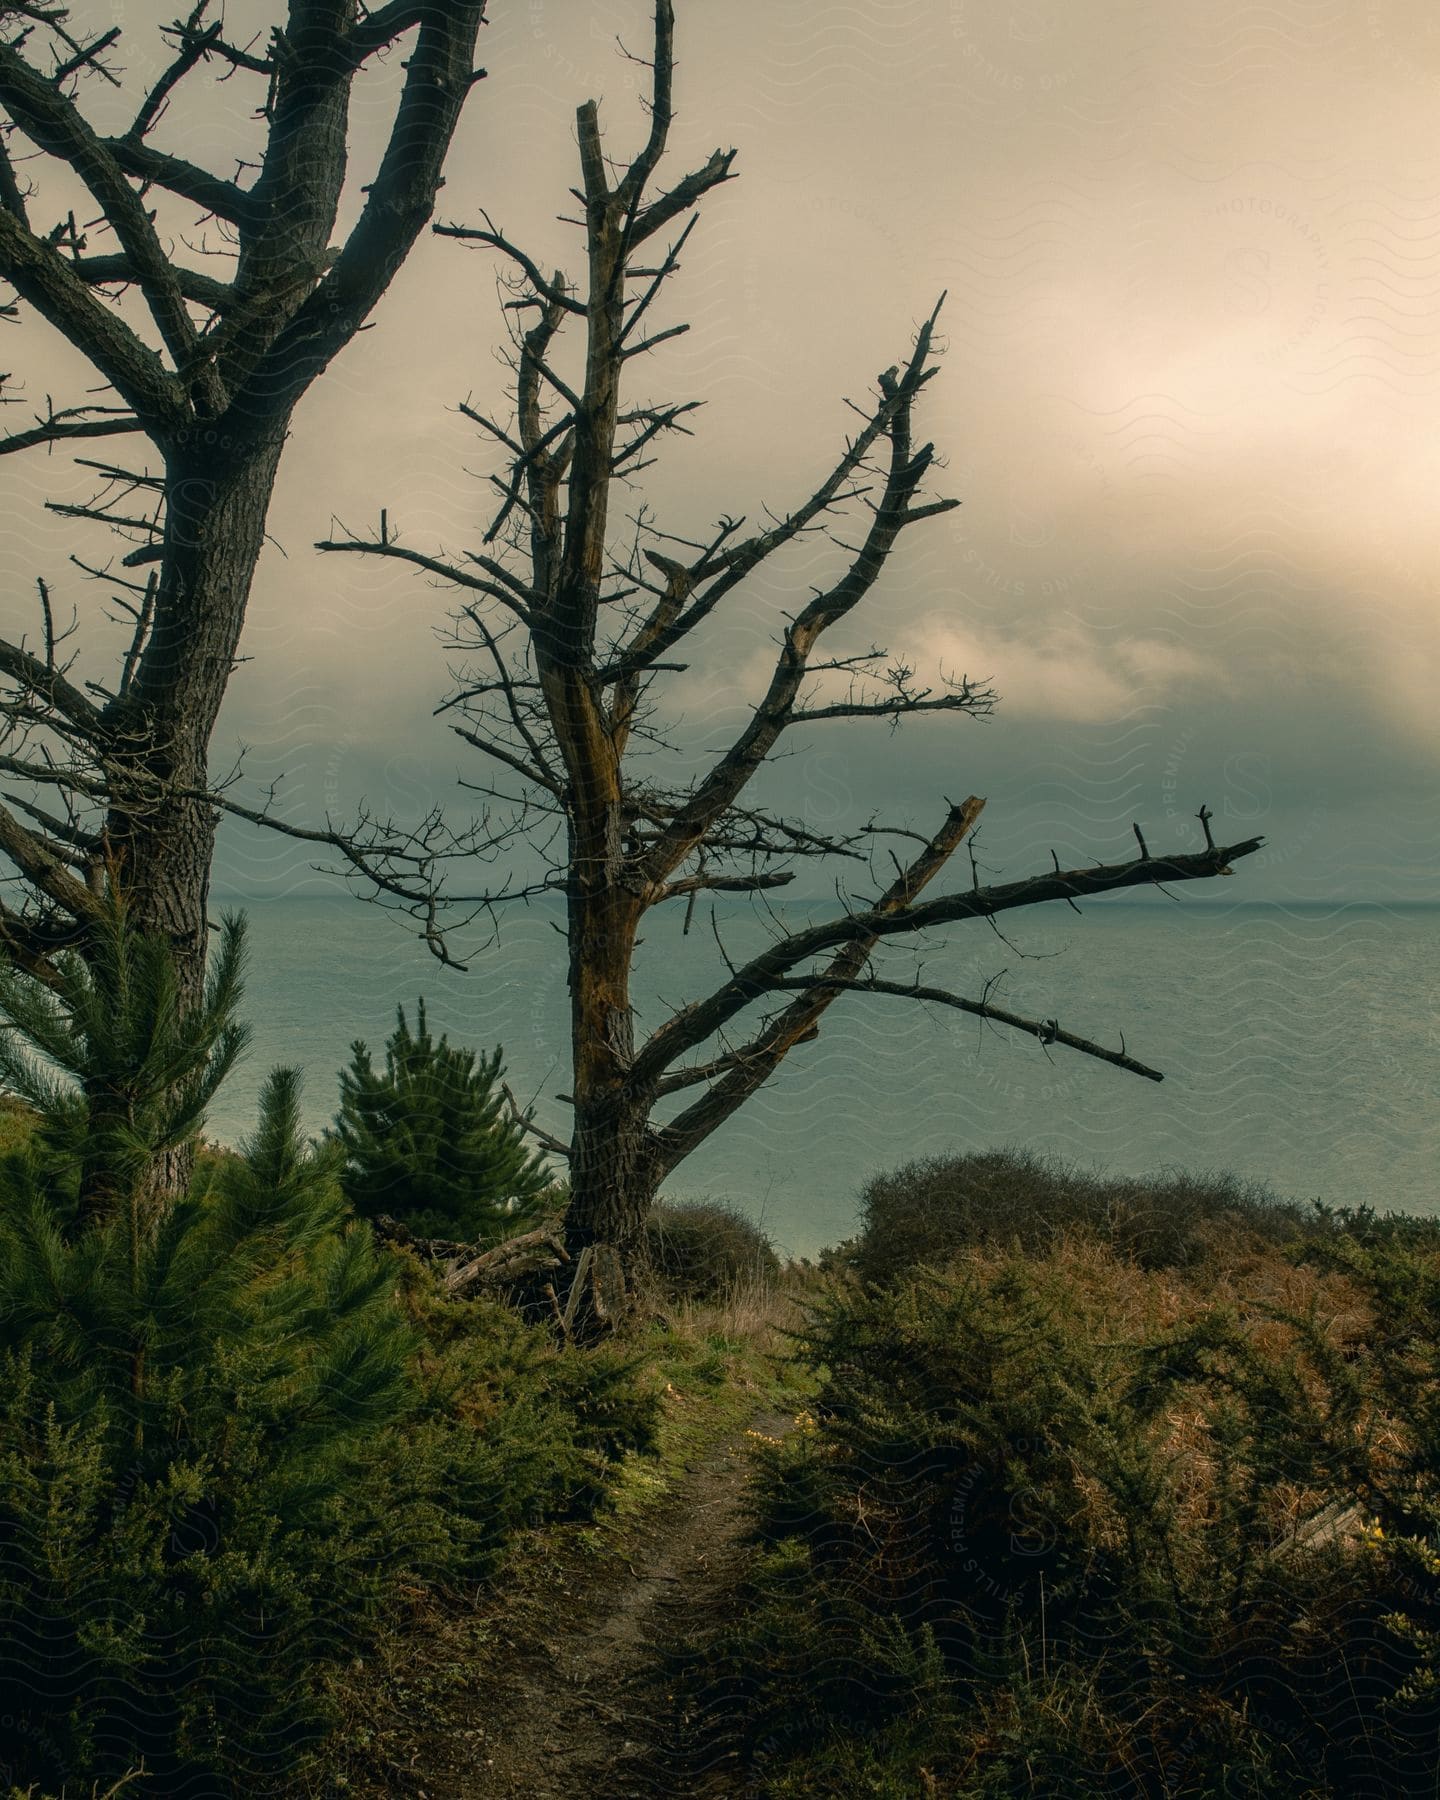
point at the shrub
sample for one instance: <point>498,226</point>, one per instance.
<point>539,1427</point>
<point>430,1141</point>
<point>1395,1470</point>
<point>1056,1524</point>
<point>123,1074</point>
<point>227,1449</point>
<point>704,1250</point>
<point>17,1123</point>
<point>931,1210</point>
<point>199,1500</point>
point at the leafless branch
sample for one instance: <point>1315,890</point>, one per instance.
<point>701,1019</point>
<point>1048,1031</point>
<point>504,589</point>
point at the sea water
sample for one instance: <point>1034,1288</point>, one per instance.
<point>1300,1046</point>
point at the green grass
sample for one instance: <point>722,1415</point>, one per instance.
<point>17,1124</point>
<point>710,1368</point>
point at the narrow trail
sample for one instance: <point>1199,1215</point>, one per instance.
<point>583,1710</point>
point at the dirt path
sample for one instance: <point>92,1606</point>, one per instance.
<point>582,1711</point>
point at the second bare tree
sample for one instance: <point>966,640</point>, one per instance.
<point>570,621</point>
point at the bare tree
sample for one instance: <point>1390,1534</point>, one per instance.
<point>205,304</point>
<point>569,623</point>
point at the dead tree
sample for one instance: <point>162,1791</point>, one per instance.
<point>570,625</point>
<point>205,304</point>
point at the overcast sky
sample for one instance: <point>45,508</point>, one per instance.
<point>1189,402</point>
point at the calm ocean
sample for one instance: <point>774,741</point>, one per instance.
<point>1301,1047</point>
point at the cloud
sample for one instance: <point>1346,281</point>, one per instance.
<point>1062,674</point>
<point>1187,400</point>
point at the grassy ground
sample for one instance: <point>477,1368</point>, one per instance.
<point>466,1696</point>
<point>1040,1485</point>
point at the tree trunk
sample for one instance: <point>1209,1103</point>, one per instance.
<point>100,1193</point>
<point>612,1178</point>
<point>215,529</point>
<point>611,1183</point>
<point>612,1169</point>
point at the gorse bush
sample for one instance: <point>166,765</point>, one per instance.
<point>932,1210</point>
<point>1398,1481</point>
<point>539,1429</point>
<point>704,1250</point>
<point>429,1140</point>
<point>228,1439</point>
<point>1056,1524</point>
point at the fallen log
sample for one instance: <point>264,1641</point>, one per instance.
<point>543,1248</point>
<point>463,1266</point>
